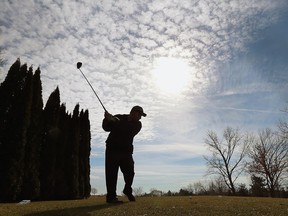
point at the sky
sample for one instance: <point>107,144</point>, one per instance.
<point>193,65</point>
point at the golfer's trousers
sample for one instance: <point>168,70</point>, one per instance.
<point>114,161</point>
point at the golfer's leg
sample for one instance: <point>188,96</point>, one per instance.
<point>127,168</point>
<point>111,174</point>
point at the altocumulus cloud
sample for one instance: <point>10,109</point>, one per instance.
<point>225,42</point>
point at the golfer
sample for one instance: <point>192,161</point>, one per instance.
<point>119,150</point>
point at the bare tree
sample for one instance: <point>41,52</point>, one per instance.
<point>199,188</point>
<point>283,125</point>
<point>269,159</point>
<point>2,60</point>
<point>228,154</point>
<point>217,186</point>
<point>138,191</point>
<point>190,188</point>
<point>155,192</point>
<point>94,191</point>
<point>2,64</point>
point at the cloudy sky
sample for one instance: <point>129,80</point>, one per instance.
<point>194,66</point>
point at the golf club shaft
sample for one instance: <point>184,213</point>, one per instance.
<point>92,89</point>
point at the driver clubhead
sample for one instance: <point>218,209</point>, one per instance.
<point>79,64</point>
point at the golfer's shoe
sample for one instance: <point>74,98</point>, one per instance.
<point>114,201</point>
<point>130,197</point>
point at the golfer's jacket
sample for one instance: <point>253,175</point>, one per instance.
<point>121,135</point>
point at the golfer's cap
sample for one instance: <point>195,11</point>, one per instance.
<point>139,109</point>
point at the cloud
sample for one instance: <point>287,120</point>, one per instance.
<point>236,48</point>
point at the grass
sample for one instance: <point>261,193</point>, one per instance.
<point>146,206</point>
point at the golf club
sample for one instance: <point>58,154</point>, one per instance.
<point>79,64</point>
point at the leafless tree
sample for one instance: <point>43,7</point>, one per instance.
<point>2,60</point>
<point>2,64</point>
<point>217,186</point>
<point>269,159</point>
<point>228,154</point>
<point>93,191</point>
<point>155,192</point>
<point>138,191</point>
<point>190,188</point>
<point>283,125</point>
<point>199,188</point>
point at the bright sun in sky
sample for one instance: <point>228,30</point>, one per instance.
<point>171,75</point>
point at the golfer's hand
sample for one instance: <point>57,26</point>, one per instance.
<point>110,117</point>
<point>107,115</point>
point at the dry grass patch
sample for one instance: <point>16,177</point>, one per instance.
<point>146,206</point>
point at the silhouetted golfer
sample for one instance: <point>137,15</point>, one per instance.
<point>119,150</point>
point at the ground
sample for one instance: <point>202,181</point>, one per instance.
<point>146,206</point>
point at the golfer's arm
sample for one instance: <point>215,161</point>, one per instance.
<point>106,125</point>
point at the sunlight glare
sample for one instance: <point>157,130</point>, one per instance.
<point>171,75</point>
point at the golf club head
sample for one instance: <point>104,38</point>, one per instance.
<point>79,64</point>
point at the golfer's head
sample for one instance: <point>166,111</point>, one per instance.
<point>136,113</point>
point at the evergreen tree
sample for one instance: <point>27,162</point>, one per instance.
<point>31,184</point>
<point>258,186</point>
<point>74,169</point>
<point>7,95</point>
<point>16,120</point>
<point>44,154</point>
<point>50,143</point>
<point>61,186</point>
<point>84,153</point>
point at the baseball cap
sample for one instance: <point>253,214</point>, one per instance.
<point>139,109</point>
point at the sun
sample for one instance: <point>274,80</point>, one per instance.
<point>171,75</point>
